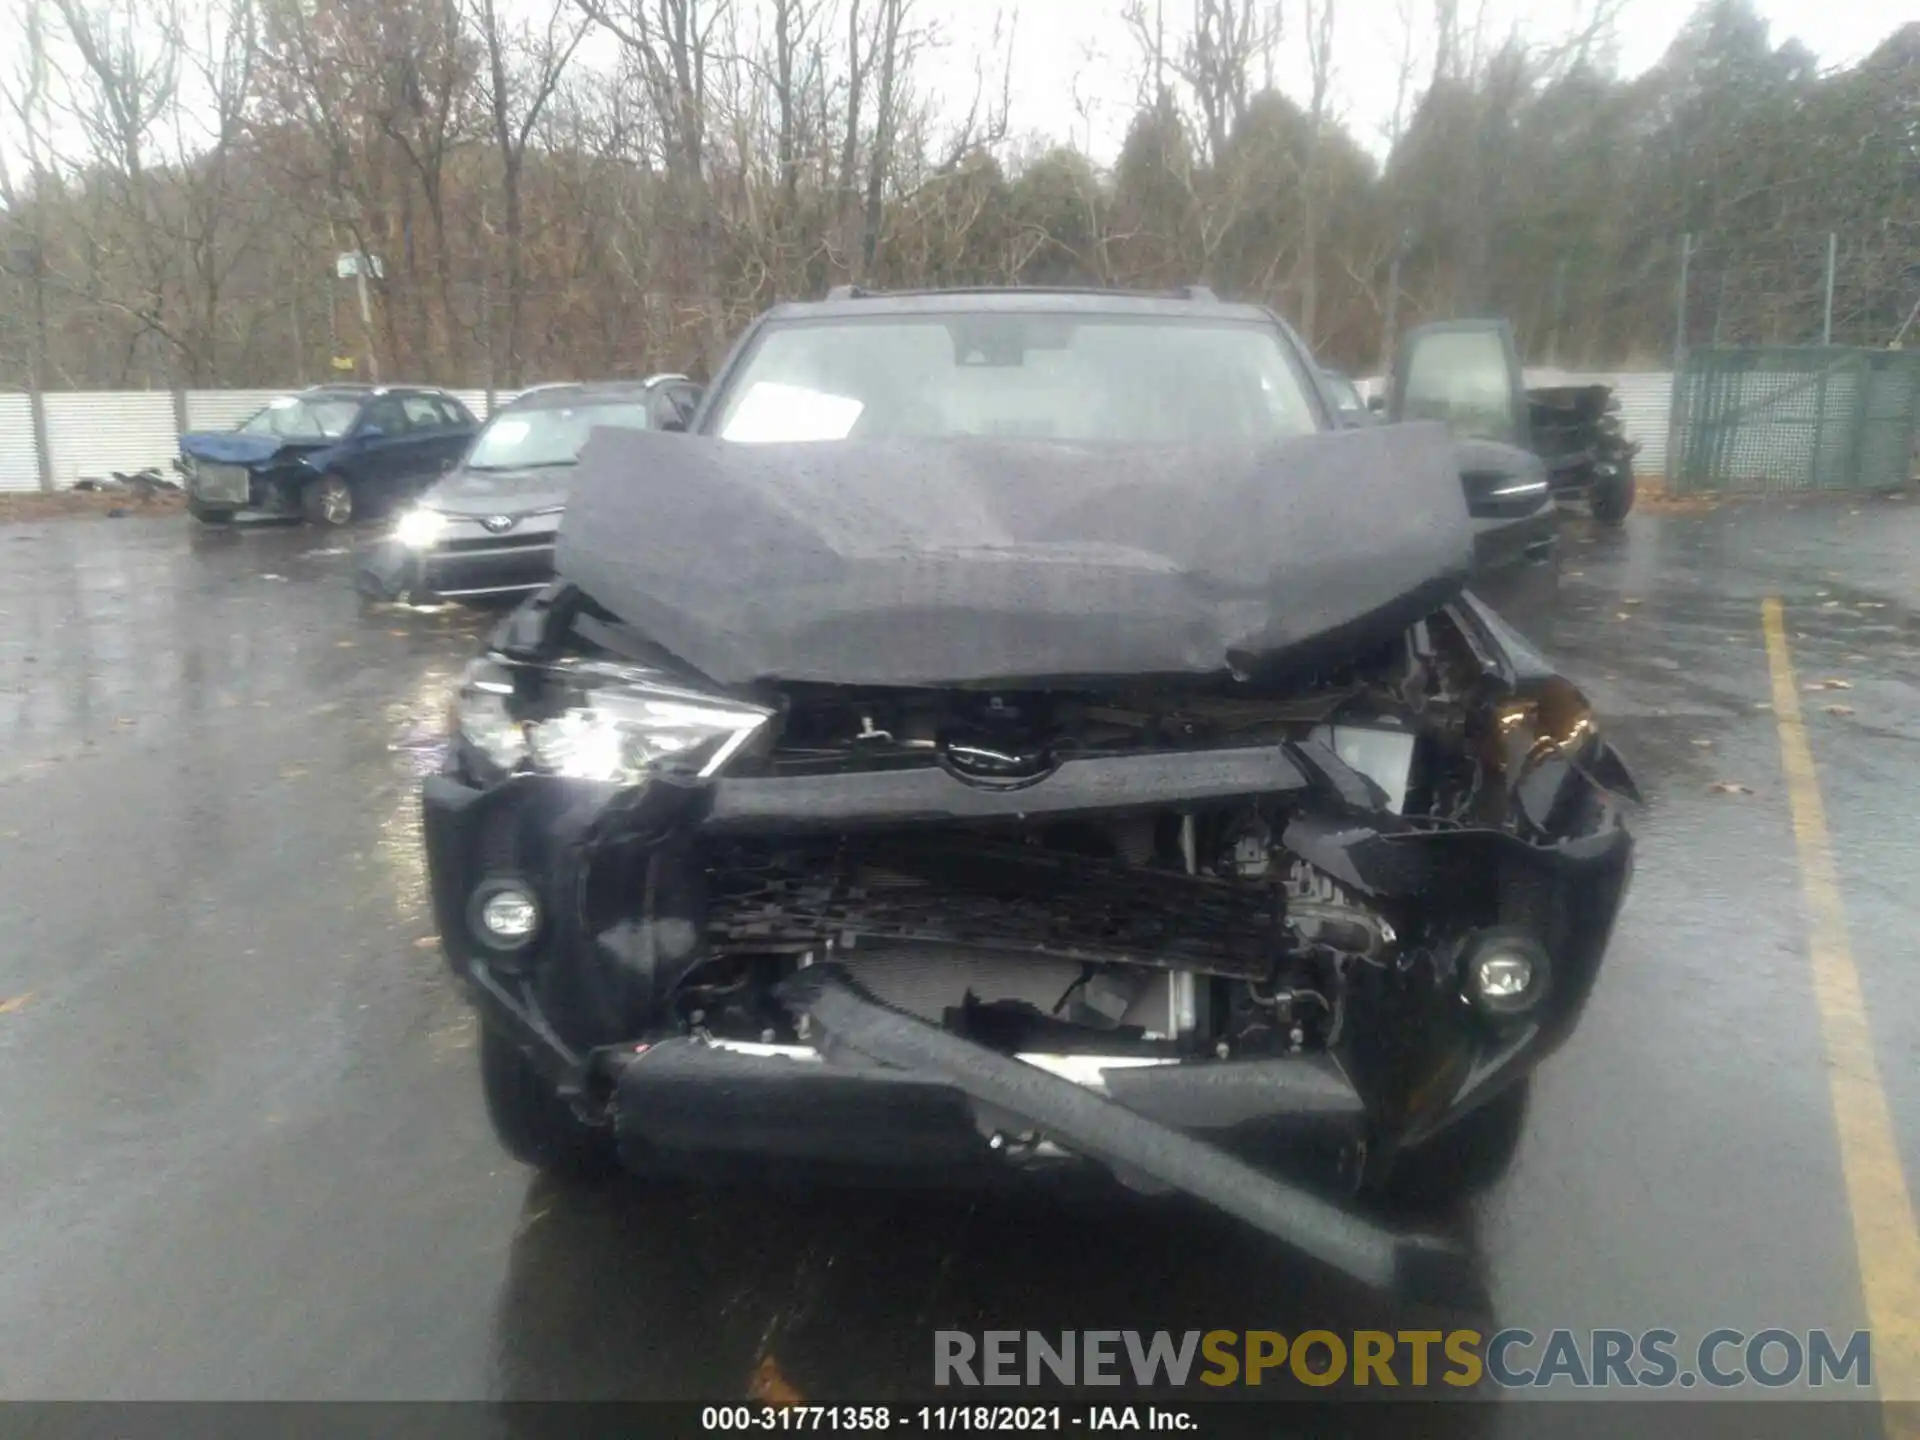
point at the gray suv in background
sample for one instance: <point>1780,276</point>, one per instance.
<point>487,530</point>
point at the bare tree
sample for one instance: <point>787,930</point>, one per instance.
<point>23,91</point>
<point>130,74</point>
<point>523,69</point>
<point>428,66</point>
<point>219,220</point>
<point>889,20</point>
<point>1319,31</point>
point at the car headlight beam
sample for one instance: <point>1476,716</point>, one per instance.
<point>420,528</point>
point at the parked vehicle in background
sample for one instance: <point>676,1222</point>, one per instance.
<point>487,529</point>
<point>330,454</point>
<point>1467,373</point>
<point>1578,432</point>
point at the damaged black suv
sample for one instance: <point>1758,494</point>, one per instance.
<point>1022,730</point>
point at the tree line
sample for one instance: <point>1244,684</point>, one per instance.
<point>497,192</point>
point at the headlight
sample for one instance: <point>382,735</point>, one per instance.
<point>420,529</point>
<point>608,722</point>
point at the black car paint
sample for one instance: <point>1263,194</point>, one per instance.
<point>1415,1059</point>
<point>1429,1060</point>
<point>1513,544</point>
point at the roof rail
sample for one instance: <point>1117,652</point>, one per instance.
<point>1200,293</point>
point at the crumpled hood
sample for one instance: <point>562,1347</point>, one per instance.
<point>1009,562</point>
<point>233,448</point>
<point>480,493</point>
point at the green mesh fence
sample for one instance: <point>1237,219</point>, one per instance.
<point>1794,419</point>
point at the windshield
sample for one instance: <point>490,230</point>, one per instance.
<point>1052,377</point>
<point>293,417</point>
<point>546,436</point>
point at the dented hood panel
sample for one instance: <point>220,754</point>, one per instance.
<point>976,561</point>
<point>232,447</point>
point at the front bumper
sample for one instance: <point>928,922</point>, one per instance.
<point>1413,1057</point>
<point>518,566</point>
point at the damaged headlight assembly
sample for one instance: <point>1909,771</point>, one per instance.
<point>609,723</point>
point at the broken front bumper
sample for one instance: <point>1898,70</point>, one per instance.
<point>1413,1056</point>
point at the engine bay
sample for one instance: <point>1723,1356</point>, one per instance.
<point>1175,930</point>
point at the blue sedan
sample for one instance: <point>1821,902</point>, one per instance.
<point>329,454</point>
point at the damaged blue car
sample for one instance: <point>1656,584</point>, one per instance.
<point>327,454</point>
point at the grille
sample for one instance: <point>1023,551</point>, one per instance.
<point>1008,898</point>
<point>229,484</point>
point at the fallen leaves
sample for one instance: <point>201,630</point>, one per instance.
<point>426,942</point>
<point>15,1005</point>
<point>770,1387</point>
<point>1819,685</point>
<point>1839,710</point>
<point>1730,787</point>
<point>1702,742</point>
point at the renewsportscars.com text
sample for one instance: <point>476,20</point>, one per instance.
<point>1510,1358</point>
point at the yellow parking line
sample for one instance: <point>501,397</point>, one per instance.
<point>1884,1233</point>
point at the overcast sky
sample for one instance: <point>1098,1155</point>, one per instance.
<point>1070,48</point>
<point>1076,67</point>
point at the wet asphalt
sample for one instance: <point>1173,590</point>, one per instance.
<point>242,1152</point>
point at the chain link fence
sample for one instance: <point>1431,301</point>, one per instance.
<point>1794,418</point>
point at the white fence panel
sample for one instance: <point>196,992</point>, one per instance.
<point>1646,405</point>
<point>476,400</point>
<point>93,433</point>
<point>225,409</point>
<point>19,465</point>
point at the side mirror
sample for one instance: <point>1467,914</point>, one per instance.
<point>370,431</point>
<point>676,409</point>
<point>1377,404</point>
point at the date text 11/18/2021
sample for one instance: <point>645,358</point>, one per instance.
<point>944,1419</point>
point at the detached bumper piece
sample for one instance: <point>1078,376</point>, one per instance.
<point>929,1072</point>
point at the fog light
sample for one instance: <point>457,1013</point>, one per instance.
<point>1504,972</point>
<point>1503,976</point>
<point>504,914</point>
